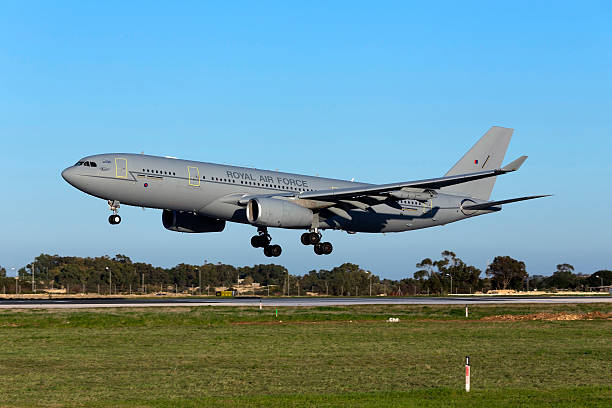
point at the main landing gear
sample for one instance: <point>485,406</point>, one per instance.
<point>262,240</point>
<point>114,218</point>
<point>314,238</point>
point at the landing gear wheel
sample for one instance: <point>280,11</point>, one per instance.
<point>318,249</point>
<point>305,238</point>
<point>272,250</point>
<point>275,250</point>
<point>256,242</point>
<point>260,241</point>
<point>314,238</point>
<point>323,248</point>
<point>114,219</point>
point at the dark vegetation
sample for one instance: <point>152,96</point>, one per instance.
<point>433,277</point>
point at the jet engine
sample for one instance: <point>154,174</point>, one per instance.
<point>272,212</point>
<point>181,221</point>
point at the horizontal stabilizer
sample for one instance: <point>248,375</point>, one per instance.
<point>490,204</point>
<point>515,165</point>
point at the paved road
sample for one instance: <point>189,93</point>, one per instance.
<point>280,302</point>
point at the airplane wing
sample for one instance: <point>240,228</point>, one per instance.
<point>427,184</point>
<point>379,192</point>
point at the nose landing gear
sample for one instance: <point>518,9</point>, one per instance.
<point>114,219</point>
<point>262,240</point>
<point>314,238</point>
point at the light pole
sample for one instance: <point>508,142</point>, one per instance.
<point>33,288</point>
<point>110,280</point>
<point>199,281</point>
<point>16,279</point>
<point>600,277</point>
<point>451,276</point>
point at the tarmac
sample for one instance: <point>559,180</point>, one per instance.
<point>87,303</point>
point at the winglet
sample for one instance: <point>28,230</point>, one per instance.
<point>515,165</point>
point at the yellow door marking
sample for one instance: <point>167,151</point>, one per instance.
<point>120,173</point>
<point>194,176</point>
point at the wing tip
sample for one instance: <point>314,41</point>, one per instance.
<point>515,165</point>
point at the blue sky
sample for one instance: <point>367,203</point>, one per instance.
<point>379,92</point>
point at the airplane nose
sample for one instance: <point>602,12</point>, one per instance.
<point>68,175</point>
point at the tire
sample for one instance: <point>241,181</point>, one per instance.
<point>267,251</point>
<point>314,238</point>
<point>327,248</point>
<point>275,250</point>
<point>318,249</point>
<point>114,219</point>
<point>305,238</point>
<point>256,242</point>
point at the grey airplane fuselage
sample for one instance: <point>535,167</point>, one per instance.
<point>203,188</point>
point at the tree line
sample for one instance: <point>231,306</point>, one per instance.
<point>449,274</point>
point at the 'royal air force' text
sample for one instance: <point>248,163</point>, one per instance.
<point>267,179</point>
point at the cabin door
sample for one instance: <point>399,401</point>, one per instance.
<point>194,176</point>
<point>120,168</point>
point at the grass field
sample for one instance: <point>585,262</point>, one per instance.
<point>319,357</point>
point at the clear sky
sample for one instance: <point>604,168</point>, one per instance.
<point>378,91</point>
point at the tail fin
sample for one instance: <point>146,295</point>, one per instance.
<point>487,154</point>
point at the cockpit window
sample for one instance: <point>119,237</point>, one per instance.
<point>79,163</point>
<point>86,164</point>
<point>93,164</point>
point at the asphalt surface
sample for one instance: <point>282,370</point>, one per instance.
<point>80,303</point>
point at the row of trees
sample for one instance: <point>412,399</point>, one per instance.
<point>448,274</point>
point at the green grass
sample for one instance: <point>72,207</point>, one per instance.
<point>221,356</point>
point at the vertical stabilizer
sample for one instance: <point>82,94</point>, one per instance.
<point>487,154</point>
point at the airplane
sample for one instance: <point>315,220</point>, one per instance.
<point>199,197</point>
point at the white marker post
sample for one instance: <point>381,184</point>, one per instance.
<point>467,374</point>
<point>260,305</point>
<point>466,311</point>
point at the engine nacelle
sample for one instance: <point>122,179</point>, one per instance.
<point>181,221</point>
<point>272,212</point>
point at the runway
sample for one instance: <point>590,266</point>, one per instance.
<point>87,303</point>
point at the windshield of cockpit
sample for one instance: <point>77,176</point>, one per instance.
<point>86,163</point>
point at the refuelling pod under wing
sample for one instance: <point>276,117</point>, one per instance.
<point>272,212</point>
<point>180,221</point>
